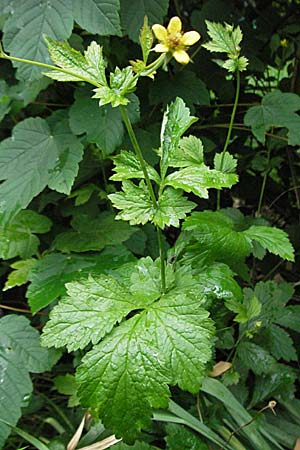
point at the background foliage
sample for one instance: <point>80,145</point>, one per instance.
<point>57,224</point>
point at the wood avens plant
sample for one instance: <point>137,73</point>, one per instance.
<point>148,321</point>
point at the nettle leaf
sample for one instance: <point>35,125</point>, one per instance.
<point>256,358</point>
<point>20,353</point>
<point>18,238</point>
<point>50,273</point>
<point>134,11</point>
<point>98,17</point>
<point>176,121</point>
<point>122,83</point>
<point>225,163</point>
<point>167,341</point>
<point>44,154</point>
<point>198,179</point>
<point>127,166</point>
<point>89,67</point>
<point>27,24</point>
<point>223,38</point>
<point>93,234</point>
<point>20,273</point>
<point>134,202</point>
<point>277,109</point>
<point>188,153</point>
<point>181,438</point>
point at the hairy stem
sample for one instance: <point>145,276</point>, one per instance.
<point>140,157</point>
<point>236,100</point>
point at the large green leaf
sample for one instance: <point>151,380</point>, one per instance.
<point>18,238</point>
<point>97,16</point>
<point>277,109</point>
<point>93,234</point>
<point>167,340</point>
<point>33,157</point>
<point>134,11</point>
<point>50,273</point>
<point>20,353</point>
<point>25,27</point>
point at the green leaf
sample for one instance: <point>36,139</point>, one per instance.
<point>5,99</point>
<point>66,385</point>
<point>289,317</point>
<point>93,234</point>
<point>198,179</point>
<point>146,39</point>
<point>176,121</point>
<point>227,164</point>
<point>256,358</point>
<point>18,238</point>
<point>20,274</point>
<point>53,271</point>
<point>39,445</point>
<point>278,342</point>
<point>134,202</point>
<point>45,154</point>
<point>138,445</point>
<point>171,208</point>
<point>232,65</point>
<point>167,343</point>
<point>188,153</point>
<point>122,83</point>
<point>127,166</point>
<point>184,84</point>
<point>181,438</point>
<point>247,310</point>
<point>102,126</point>
<point>89,67</point>
<point>98,17</point>
<point>24,30</point>
<point>134,11</point>
<point>20,353</point>
<point>224,38</point>
<point>277,109</point>
<point>273,239</point>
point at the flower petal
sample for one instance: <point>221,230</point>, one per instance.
<point>175,25</point>
<point>181,56</point>
<point>190,38</point>
<point>161,48</point>
<point>160,32</point>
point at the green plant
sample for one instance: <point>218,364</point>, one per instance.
<point>142,316</point>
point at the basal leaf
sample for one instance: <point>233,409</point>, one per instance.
<point>133,13</point>
<point>28,23</point>
<point>53,271</point>
<point>198,179</point>
<point>93,234</point>
<point>18,238</point>
<point>277,109</point>
<point>98,17</point>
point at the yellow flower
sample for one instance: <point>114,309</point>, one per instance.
<point>173,40</point>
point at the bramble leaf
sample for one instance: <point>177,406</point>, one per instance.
<point>53,271</point>
<point>98,17</point>
<point>18,238</point>
<point>25,27</point>
<point>93,234</point>
<point>277,109</point>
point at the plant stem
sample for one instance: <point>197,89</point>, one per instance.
<point>139,154</point>
<point>236,99</point>
<point>263,186</point>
